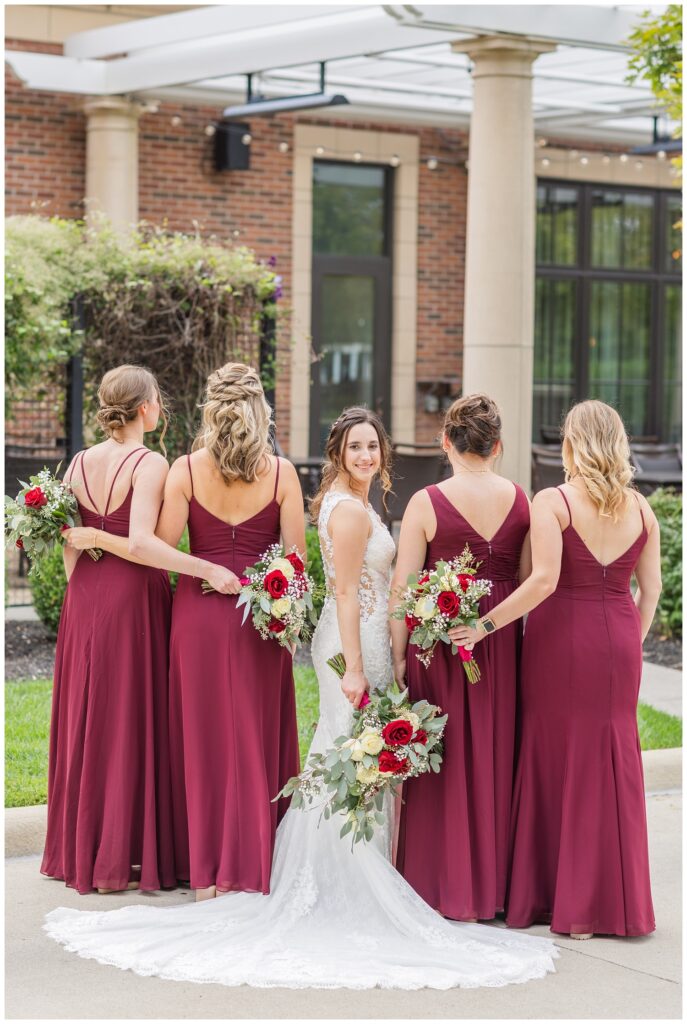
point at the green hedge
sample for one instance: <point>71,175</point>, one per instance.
<point>315,568</point>
<point>667,506</point>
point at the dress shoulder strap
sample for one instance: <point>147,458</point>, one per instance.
<point>190,472</point>
<point>567,503</point>
<point>85,481</point>
<point>276,481</point>
<point>639,506</point>
<point>119,469</point>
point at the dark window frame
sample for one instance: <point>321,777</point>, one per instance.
<point>583,273</point>
<point>381,269</point>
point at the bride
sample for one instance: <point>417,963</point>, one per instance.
<point>335,917</point>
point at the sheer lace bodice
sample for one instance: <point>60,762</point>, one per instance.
<point>336,916</point>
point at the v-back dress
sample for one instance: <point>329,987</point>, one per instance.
<point>337,915</point>
<point>109,798</point>
<point>453,838</point>
<point>233,732</point>
<point>580,853</point>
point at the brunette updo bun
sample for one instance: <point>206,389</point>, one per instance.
<point>122,392</point>
<point>473,425</point>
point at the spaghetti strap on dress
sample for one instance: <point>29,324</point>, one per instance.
<point>109,795</point>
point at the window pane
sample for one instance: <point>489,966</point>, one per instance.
<point>673,256</point>
<point>556,225</point>
<point>621,229</point>
<point>620,321</point>
<point>672,364</point>
<point>346,348</point>
<point>554,342</point>
<point>348,209</point>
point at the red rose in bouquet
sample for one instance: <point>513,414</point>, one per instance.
<point>35,498</point>
<point>397,733</point>
<point>448,603</point>
<point>276,583</point>
<point>424,578</point>
<point>276,626</point>
<point>20,543</point>
<point>389,763</point>
<point>420,737</point>
<point>295,561</point>
<point>464,581</point>
<point>412,622</point>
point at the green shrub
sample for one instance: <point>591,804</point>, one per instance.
<point>667,506</point>
<point>315,567</point>
<point>183,545</point>
<point>47,590</point>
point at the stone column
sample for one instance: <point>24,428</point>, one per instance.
<point>112,159</point>
<point>499,281</point>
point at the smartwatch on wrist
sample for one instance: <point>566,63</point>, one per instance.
<point>488,625</point>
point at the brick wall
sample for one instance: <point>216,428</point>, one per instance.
<point>179,186</point>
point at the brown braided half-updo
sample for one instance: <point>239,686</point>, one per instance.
<point>236,422</point>
<point>473,425</point>
<point>121,394</point>
<point>336,446</point>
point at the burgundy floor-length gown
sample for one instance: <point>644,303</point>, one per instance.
<point>579,840</point>
<point>233,732</point>
<point>109,798</point>
<point>453,838</point>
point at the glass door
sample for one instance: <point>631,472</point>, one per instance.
<point>351,293</point>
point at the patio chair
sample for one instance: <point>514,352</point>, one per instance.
<point>414,466</point>
<point>657,465</point>
<point>547,466</point>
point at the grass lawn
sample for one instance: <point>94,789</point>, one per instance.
<point>27,718</point>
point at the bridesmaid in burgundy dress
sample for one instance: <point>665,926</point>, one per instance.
<point>109,799</point>
<point>234,740</point>
<point>579,842</point>
<point>453,838</point>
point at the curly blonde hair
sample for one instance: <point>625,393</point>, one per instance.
<point>596,448</point>
<point>334,453</point>
<point>122,392</point>
<point>236,422</point>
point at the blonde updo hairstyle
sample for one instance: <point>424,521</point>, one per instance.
<point>596,448</point>
<point>336,447</point>
<point>473,425</point>
<point>121,394</point>
<point>236,422</point>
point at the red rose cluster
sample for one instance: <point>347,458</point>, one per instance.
<point>35,498</point>
<point>397,734</point>
<point>276,583</point>
<point>390,763</point>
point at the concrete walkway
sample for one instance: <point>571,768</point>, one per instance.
<point>662,688</point>
<point>606,978</point>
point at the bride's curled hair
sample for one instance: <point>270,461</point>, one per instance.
<point>336,446</point>
<point>596,448</point>
<point>236,422</point>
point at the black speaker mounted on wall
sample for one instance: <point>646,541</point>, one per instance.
<point>231,152</point>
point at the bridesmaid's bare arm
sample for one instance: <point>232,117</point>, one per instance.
<point>154,539</point>
<point>291,512</point>
<point>525,568</point>
<point>349,527</point>
<point>412,549</point>
<point>69,556</point>
<point>648,570</point>
<point>546,524</point>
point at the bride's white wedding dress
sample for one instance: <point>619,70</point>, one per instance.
<point>335,917</point>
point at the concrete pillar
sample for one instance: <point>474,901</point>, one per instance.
<point>112,159</point>
<point>499,281</point>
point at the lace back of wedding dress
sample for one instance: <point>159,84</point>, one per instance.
<point>337,916</point>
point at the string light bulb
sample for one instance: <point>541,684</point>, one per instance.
<point>638,165</point>
<point>246,138</point>
<point>357,156</point>
<point>661,155</point>
<point>574,154</point>
<point>210,130</point>
<point>605,159</point>
<point>545,162</point>
<point>283,147</point>
<point>624,158</point>
<point>584,160</point>
<point>175,121</point>
<point>432,163</point>
<point>395,160</point>
<point>319,150</point>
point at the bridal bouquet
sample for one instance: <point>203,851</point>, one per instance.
<point>391,740</point>
<point>40,513</point>
<point>447,595</point>
<point>279,593</point>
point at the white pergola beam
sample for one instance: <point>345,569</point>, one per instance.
<point>186,26</point>
<point>58,74</point>
<point>574,25</point>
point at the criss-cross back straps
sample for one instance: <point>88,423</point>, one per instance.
<point>144,452</point>
<point>276,482</point>
<point>567,503</point>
